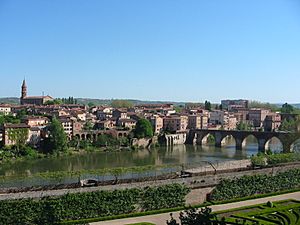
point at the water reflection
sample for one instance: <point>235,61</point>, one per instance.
<point>180,154</point>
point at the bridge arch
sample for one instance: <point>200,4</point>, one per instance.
<point>295,146</point>
<point>229,141</point>
<point>77,136</point>
<point>274,144</point>
<point>89,137</point>
<point>207,139</point>
<point>250,143</point>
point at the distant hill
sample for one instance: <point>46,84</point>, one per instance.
<point>85,101</point>
<point>10,100</point>
<point>296,105</point>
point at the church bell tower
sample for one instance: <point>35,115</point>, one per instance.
<point>24,90</point>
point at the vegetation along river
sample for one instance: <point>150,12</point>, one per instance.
<point>188,155</point>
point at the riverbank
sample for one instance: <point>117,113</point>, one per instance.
<point>9,157</point>
<point>201,184</point>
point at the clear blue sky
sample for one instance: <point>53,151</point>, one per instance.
<point>178,50</point>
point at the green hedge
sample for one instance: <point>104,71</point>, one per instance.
<point>51,210</point>
<point>257,184</point>
<point>264,160</point>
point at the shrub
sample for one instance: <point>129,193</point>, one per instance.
<point>50,210</point>
<point>264,160</point>
<point>257,184</point>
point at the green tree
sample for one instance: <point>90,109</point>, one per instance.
<point>18,136</point>
<point>287,108</point>
<point>121,104</point>
<point>91,104</point>
<point>8,119</point>
<point>243,126</point>
<point>194,217</point>
<point>143,129</point>
<point>290,125</point>
<point>88,126</point>
<point>57,137</point>
<point>21,114</point>
<point>106,140</point>
<point>207,105</point>
<point>257,104</point>
<point>54,102</point>
<point>179,109</point>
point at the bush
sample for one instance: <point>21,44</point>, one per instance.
<point>51,210</point>
<point>106,140</point>
<point>264,160</point>
<point>257,184</point>
<point>169,196</point>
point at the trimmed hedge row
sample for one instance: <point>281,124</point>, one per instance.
<point>288,214</point>
<point>264,160</point>
<point>51,210</point>
<point>257,184</point>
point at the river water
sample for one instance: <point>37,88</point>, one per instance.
<point>180,154</point>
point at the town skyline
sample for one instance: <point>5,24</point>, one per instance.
<point>16,98</point>
<point>167,50</point>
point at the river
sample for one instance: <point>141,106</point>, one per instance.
<point>179,154</point>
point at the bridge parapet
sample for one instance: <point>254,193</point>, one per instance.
<point>286,138</point>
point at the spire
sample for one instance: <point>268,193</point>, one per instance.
<point>24,83</point>
<point>24,89</point>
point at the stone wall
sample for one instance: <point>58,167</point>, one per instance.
<point>144,142</point>
<point>174,139</point>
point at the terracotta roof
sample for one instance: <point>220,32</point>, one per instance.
<point>20,125</point>
<point>127,120</point>
<point>5,105</point>
<point>36,118</point>
<point>37,97</point>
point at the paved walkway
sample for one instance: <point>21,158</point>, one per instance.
<point>162,218</point>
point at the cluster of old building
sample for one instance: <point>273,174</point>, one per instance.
<point>79,119</point>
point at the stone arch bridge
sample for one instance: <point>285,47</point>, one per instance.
<point>286,138</point>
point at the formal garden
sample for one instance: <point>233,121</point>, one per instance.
<point>282,213</point>
<point>285,212</point>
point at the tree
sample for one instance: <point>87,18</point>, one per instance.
<point>57,137</point>
<point>88,126</point>
<point>257,104</point>
<point>69,100</point>
<point>105,140</point>
<point>18,136</point>
<point>287,108</point>
<point>91,104</point>
<point>9,119</point>
<point>54,102</point>
<point>179,109</point>
<point>243,126</point>
<point>121,104</point>
<point>194,217</point>
<point>207,105</point>
<point>143,129</point>
<point>289,125</point>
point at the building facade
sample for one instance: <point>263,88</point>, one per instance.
<point>32,100</point>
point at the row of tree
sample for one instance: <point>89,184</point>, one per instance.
<point>59,101</point>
